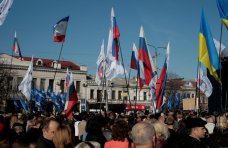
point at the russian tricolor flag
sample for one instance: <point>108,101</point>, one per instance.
<point>134,58</point>
<point>60,30</point>
<point>71,98</point>
<point>116,35</point>
<point>144,60</point>
<point>16,47</point>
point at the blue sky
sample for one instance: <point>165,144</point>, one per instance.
<point>177,21</point>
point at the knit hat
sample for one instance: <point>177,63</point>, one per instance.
<point>195,122</point>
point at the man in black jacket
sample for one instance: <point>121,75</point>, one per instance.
<point>49,127</point>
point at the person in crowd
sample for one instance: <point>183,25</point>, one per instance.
<point>4,143</point>
<point>162,134</point>
<point>50,125</point>
<point>210,124</point>
<point>197,131</point>
<point>63,137</point>
<point>82,125</point>
<point>88,144</point>
<point>107,130</point>
<point>143,135</point>
<point>120,138</point>
<point>13,119</point>
<point>219,138</point>
<point>94,130</point>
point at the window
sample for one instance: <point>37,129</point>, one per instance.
<point>113,94</point>
<point>119,95</point>
<point>125,97</point>
<point>19,79</point>
<point>144,96</point>
<point>188,96</point>
<point>34,82</point>
<point>193,95</point>
<point>62,82</point>
<point>99,95</point>
<point>51,82</point>
<point>91,93</point>
<point>78,83</point>
<point>39,62</point>
<point>10,82</point>
<point>42,84</point>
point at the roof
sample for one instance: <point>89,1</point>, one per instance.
<point>49,63</point>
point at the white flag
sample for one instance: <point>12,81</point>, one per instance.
<point>204,84</point>
<point>100,65</point>
<point>4,9</point>
<point>25,86</point>
<point>217,46</point>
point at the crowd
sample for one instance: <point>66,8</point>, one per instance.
<point>111,130</point>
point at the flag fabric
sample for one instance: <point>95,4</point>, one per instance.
<point>113,67</point>
<point>161,82</point>
<point>116,35</point>
<point>134,58</point>
<point>60,30</point>
<point>16,47</point>
<point>177,100</point>
<point>25,85</point>
<point>15,104</point>
<point>100,65</point>
<point>5,6</point>
<point>23,103</point>
<point>223,11</point>
<point>146,72</point>
<point>68,79</point>
<point>207,52</point>
<point>217,46</point>
<point>71,99</point>
<point>204,83</point>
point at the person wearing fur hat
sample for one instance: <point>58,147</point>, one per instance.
<point>197,131</point>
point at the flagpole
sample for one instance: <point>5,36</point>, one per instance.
<point>136,89</point>
<point>125,74</point>
<point>58,62</point>
<point>197,90</point>
<point>220,70</point>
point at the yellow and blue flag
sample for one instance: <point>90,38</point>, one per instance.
<point>223,11</point>
<point>207,52</point>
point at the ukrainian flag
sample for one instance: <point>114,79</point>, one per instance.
<point>207,51</point>
<point>223,11</point>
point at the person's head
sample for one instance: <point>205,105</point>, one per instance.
<point>222,123</point>
<point>196,127</point>
<point>88,144</point>
<point>161,130</point>
<point>120,130</point>
<point>143,135</point>
<point>62,136</point>
<point>50,125</point>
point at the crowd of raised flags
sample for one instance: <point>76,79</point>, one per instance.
<point>110,65</point>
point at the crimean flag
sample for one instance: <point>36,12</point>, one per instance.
<point>71,99</point>
<point>146,72</point>
<point>16,47</point>
<point>161,82</point>
<point>207,51</point>
<point>60,30</point>
<point>134,58</point>
<point>223,11</point>
<point>116,35</point>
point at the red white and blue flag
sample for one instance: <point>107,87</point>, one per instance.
<point>116,35</point>
<point>60,30</point>
<point>145,68</point>
<point>68,75</point>
<point>16,47</point>
<point>134,58</point>
<point>161,82</point>
<point>71,98</point>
